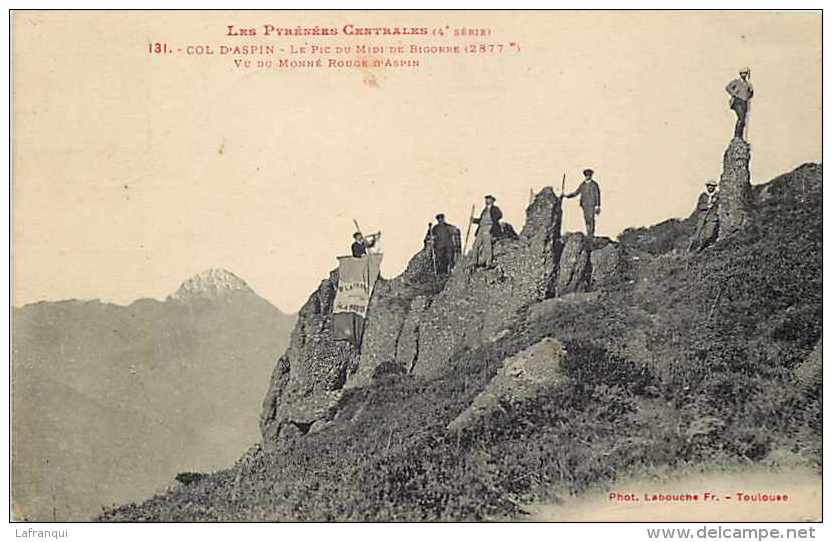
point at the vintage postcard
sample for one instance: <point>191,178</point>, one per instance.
<point>387,266</point>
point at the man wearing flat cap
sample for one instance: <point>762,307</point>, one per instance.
<point>741,93</point>
<point>590,194</point>
<point>444,236</point>
<point>707,219</point>
<point>488,228</point>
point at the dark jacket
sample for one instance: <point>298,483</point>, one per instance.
<point>590,194</point>
<point>442,235</point>
<point>358,249</point>
<point>496,215</point>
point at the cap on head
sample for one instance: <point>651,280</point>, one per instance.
<point>440,216</point>
<point>588,172</point>
<point>746,71</point>
<point>356,235</point>
<point>710,183</point>
<point>492,198</point>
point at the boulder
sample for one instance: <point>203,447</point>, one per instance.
<point>407,348</point>
<point>608,260</point>
<point>575,267</point>
<point>523,376</point>
<point>583,268</point>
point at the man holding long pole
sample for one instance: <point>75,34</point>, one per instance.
<point>489,225</point>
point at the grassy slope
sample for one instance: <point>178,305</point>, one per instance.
<point>689,360</point>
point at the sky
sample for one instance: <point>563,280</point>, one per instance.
<point>134,171</point>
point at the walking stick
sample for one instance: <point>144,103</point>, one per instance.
<point>468,233</point>
<point>563,186</point>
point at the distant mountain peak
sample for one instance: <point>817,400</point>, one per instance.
<point>213,283</point>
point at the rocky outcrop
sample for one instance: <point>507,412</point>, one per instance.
<point>800,181</point>
<point>734,188</point>
<point>575,266</point>
<point>392,318</point>
<point>583,267</point>
<point>407,348</point>
<point>522,377</point>
<point>307,381</point>
<point>476,304</point>
<point>416,322</point>
<point>609,261</point>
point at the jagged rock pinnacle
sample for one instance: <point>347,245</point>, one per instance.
<point>211,284</point>
<point>734,188</point>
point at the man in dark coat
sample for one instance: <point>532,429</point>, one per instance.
<point>360,246</point>
<point>741,93</point>
<point>707,219</point>
<point>590,194</point>
<point>488,227</point>
<point>442,236</point>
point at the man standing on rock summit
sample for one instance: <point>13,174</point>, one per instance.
<point>590,194</point>
<point>741,93</point>
<point>489,226</point>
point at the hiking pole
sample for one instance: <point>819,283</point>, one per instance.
<point>563,186</point>
<point>468,233</point>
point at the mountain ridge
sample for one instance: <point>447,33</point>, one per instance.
<point>188,366</point>
<point>212,283</point>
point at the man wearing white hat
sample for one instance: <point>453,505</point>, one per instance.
<point>741,93</point>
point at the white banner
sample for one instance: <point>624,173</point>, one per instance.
<point>356,278</point>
